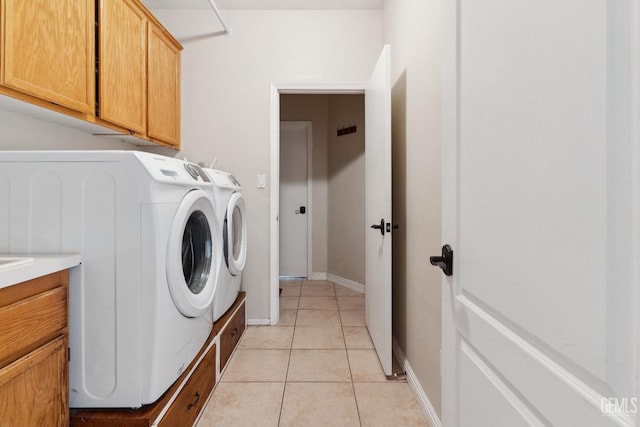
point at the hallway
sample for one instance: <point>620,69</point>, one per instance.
<point>316,368</point>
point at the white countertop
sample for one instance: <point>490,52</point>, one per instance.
<point>41,265</point>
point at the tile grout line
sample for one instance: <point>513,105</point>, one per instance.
<point>284,388</point>
<point>335,296</point>
<point>353,387</point>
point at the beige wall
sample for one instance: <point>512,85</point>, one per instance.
<point>346,188</point>
<point>226,92</point>
<point>412,27</point>
<point>314,108</point>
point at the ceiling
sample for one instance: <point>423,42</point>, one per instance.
<point>267,4</point>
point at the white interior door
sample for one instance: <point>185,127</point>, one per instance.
<point>377,100</point>
<point>293,199</point>
<point>540,206</point>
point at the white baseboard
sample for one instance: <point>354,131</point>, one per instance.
<point>421,397</point>
<point>350,284</point>
<point>258,322</point>
<point>318,276</point>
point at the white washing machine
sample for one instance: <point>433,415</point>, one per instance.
<point>140,303</point>
<point>229,203</point>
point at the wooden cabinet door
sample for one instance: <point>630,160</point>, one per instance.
<point>123,64</point>
<point>48,50</point>
<point>34,390</point>
<point>164,88</point>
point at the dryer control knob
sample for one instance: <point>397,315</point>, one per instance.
<point>192,170</point>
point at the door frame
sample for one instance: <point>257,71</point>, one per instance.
<point>277,89</point>
<point>308,126</point>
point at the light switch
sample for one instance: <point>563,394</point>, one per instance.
<point>262,181</point>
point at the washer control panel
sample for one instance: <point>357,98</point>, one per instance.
<point>196,172</point>
<point>171,170</point>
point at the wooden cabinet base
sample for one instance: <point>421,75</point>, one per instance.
<point>182,403</point>
<point>179,406</point>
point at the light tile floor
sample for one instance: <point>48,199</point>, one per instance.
<point>316,368</point>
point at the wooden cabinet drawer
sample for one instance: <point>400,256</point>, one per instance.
<point>231,334</point>
<point>34,389</point>
<point>189,403</point>
<point>30,322</point>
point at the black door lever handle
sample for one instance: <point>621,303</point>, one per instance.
<point>379,226</point>
<point>445,262</point>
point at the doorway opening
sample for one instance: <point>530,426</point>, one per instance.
<point>286,105</point>
<point>322,188</point>
<point>377,198</point>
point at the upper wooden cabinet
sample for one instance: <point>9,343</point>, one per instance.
<point>123,64</point>
<point>139,72</point>
<point>47,51</point>
<point>164,87</point>
<point>48,58</point>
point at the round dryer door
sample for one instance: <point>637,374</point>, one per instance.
<point>235,235</point>
<point>191,267</point>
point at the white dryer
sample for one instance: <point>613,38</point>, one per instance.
<point>140,304</point>
<point>230,207</point>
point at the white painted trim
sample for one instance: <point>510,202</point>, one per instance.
<point>422,399</point>
<point>318,276</point>
<point>260,322</point>
<point>635,170</point>
<point>350,284</point>
<point>274,172</point>
<point>309,197</point>
<point>274,206</point>
<point>339,88</point>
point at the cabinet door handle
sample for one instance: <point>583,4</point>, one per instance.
<point>195,401</point>
<point>235,332</point>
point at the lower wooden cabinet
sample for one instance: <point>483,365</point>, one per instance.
<point>34,389</point>
<point>34,370</point>
<point>41,317</point>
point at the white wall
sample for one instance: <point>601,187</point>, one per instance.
<point>413,27</point>
<point>226,91</point>
<point>22,132</point>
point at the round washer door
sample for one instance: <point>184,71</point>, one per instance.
<point>235,235</point>
<point>191,267</point>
